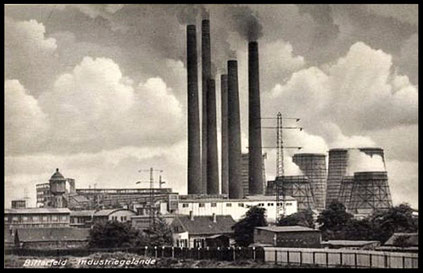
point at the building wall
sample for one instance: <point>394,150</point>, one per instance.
<point>288,239</point>
<point>12,221</point>
<point>236,209</point>
<point>81,221</point>
<point>54,245</point>
<point>121,216</point>
<point>181,239</point>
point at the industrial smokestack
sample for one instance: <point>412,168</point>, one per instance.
<point>255,162</point>
<point>224,132</point>
<point>212,161</point>
<point>234,133</point>
<point>194,157</point>
<point>206,75</point>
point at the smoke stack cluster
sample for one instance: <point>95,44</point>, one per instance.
<point>194,156</point>
<point>255,178</point>
<point>203,174</point>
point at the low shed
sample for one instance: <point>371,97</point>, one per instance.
<point>287,236</point>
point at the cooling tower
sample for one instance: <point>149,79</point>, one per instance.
<point>314,167</point>
<point>205,76</point>
<point>338,160</point>
<point>224,132</point>
<point>296,186</point>
<point>194,156</point>
<point>212,164</point>
<point>370,192</point>
<point>255,175</point>
<point>345,191</point>
<point>234,133</point>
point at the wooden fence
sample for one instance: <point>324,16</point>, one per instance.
<point>340,258</point>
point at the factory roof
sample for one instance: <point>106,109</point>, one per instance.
<point>309,154</point>
<point>205,224</point>
<point>82,212</point>
<point>57,175</point>
<point>37,211</point>
<point>411,239</point>
<point>287,228</point>
<point>349,242</point>
<point>107,212</point>
<point>52,234</point>
<point>246,199</point>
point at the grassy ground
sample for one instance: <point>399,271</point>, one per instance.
<point>13,261</point>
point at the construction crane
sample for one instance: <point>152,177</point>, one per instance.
<point>151,206</point>
<point>279,187</point>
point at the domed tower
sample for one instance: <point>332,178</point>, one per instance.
<point>57,189</point>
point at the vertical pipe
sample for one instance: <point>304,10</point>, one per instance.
<point>205,75</point>
<point>255,163</point>
<point>212,161</point>
<point>234,133</point>
<point>194,157</point>
<point>224,132</point>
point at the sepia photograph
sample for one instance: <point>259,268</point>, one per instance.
<point>211,136</point>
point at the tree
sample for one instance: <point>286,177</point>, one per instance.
<point>160,234</point>
<point>302,218</point>
<point>333,221</point>
<point>113,234</point>
<point>244,228</point>
<point>396,219</point>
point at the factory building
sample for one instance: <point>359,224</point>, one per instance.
<point>119,215</point>
<point>287,236</point>
<point>314,167</point>
<point>236,207</point>
<point>36,218</point>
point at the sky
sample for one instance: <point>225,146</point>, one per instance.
<point>99,91</point>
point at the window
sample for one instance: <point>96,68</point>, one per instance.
<point>6,219</point>
<point>229,204</point>
<point>184,205</point>
<point>202,205</point>
<point>15,219</point>
<point>269,204</point>
<point>35,218</point>
<point>289,204</point>
<point>25,218</point>
<point>213,204</point>
<point>54,218</point>
<point>45,218</point>
<point>240,204</point>
<point>64,218</point>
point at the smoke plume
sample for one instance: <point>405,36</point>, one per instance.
<point>361,162</point>
<point>187,14</point>
<point>246,23</point>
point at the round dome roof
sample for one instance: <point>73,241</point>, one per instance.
<point>57,175</point>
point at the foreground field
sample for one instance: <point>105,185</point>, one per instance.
<point>124,260</point>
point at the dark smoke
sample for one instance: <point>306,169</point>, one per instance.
<point>246,23</point>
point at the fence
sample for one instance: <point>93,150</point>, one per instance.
<point>209,253</point>
<point>340,258</point>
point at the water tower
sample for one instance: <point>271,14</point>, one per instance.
<point>57,189</point>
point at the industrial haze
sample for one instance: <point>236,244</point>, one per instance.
<point>103,103</point>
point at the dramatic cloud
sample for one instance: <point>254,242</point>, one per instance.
<point>361,162</point>
<point>25,122</point>
<point>30,56</point>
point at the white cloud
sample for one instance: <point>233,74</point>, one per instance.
<point>403,181</point>
<point>29,55</point>
<point>25,122</point>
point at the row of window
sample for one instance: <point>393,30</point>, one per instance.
<point>122,218</point>
<point>36,218</point>
<point>202,205</point>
